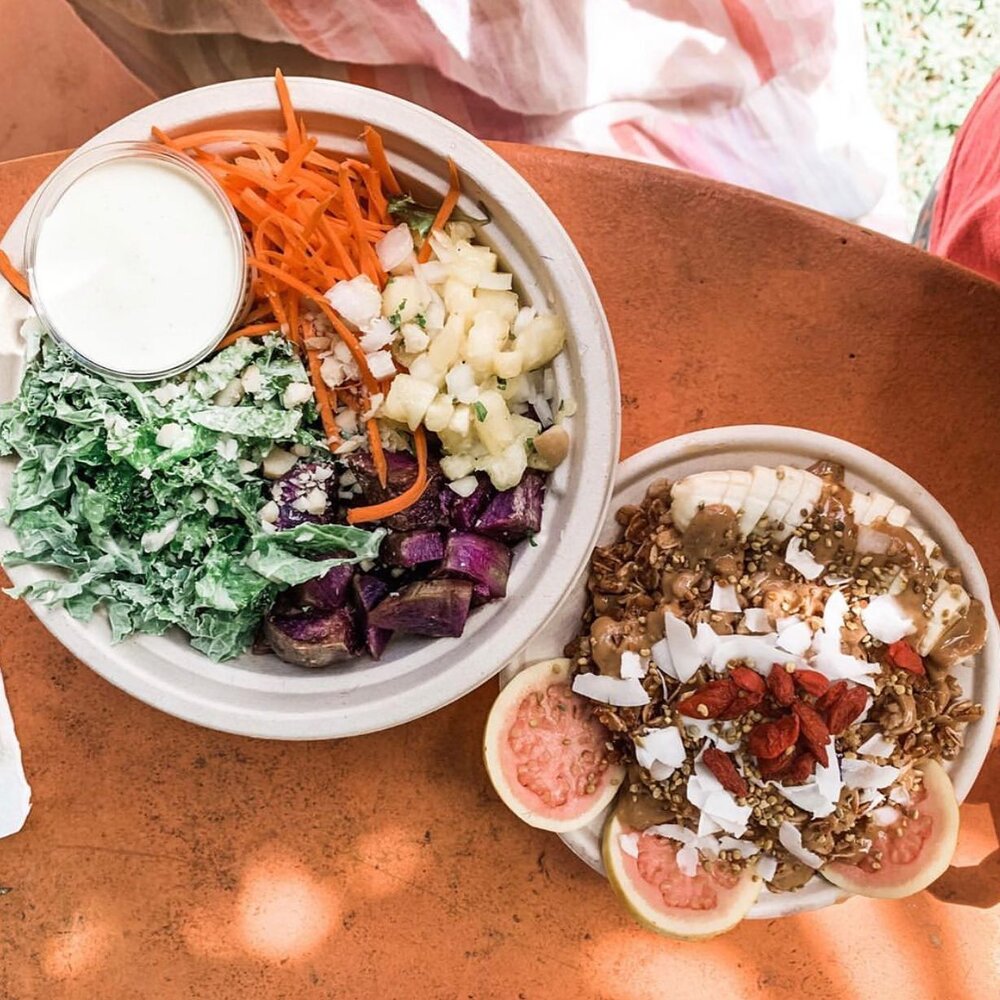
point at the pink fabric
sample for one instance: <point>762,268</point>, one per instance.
<point>770,94</point>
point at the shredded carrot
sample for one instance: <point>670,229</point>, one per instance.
<point>444,212</point>
<point>287,111</point>
<point>311,220</point>
<point>378,452</point>
<point>376,153</point>
<point>14,276</point>
<point>409,496</point>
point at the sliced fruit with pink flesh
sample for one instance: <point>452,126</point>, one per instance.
<point>909,854</point>
<point>546,752</point>
<point>661,897</point>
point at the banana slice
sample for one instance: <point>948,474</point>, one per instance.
<point>789,486</point>
<point>763,483</point>
<point>801,508</point>
<point>690,494</point>
<point>739,487</point>
<point>951,602</point>
<point>879,509</point>
<point>898,516</point>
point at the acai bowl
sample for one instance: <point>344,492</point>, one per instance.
<point>766,727</point>
<point>465,577</point>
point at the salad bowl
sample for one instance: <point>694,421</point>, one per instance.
<point>259,694</point>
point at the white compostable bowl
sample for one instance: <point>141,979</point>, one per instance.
<point>761,444</point>
<point>261,695</point>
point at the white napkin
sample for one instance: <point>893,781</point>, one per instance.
<point>15,794</point>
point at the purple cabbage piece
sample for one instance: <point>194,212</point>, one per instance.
<point>465,510</point>
<point>368,592</point>
<point>298,483</point>
<point>428,607</point>
<point>516,513</point>
<point>327,592</point>
<point>314,638</point>
<point>430,511</point>
<point>484,561</point>
<point>412,548</point>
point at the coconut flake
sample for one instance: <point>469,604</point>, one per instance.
<point>724,598</point>
<point>660,652</point>
<point>885,619</point>
<point>877,746</point>
<point>759,651</point>
<point>702,730</point>
<point>831,580</point>
<point>899,795</point>
<point>664,746</point>
<point>379,333</point>
<point>828,656</point>
<point>629,844</point>
<point>632,666</point>
<point>801,559</point>
<point>820,794</point>
<point>745,848</point>
<point>865,774</point>
<point>791,839</point>
<point>15,793</point>
<point>716,804</point>
<point>757,620</point>
<point>767,867</point>
<point>795,638</point>
<point>623,693</point>
<point>886,815</point>
<point>685,654</point>
<point>687,860</point>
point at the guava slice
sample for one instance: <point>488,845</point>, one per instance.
<point>914,858</point>
<point>661,897</point>
<point>546,752</point>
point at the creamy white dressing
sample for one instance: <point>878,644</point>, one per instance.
<point>136,268</point>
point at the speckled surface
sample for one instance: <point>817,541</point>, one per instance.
<point>163,861</point>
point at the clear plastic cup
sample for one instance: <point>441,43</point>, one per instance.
<point>56,187</point>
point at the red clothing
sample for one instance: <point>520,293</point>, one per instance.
<point>966,222</point>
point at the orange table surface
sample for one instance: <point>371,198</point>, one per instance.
<point>161,860</point>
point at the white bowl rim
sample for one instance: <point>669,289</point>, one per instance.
<point>719,447</point>
<point>286,706</point>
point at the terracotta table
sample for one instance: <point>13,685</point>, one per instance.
<point>162,861</point>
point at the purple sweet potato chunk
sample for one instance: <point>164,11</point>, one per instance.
<point>484,561</point>
<point>428,607</point>
<point>368,592</point>
<point>515,513</point>
<point>430,511</point>
<point>376,639</point>
<point>327,592</point>
<point>412,548</point>
<point>299,483</point>
<point>465,510</point>
<point>314,638</point>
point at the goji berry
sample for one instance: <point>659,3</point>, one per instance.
<point>722,766</point>
<point>811,681</point>
<point>903,656</point>
<point>777,766</point>
<point>708,700</point>
<point>740,705</point>
<point>748,680</point>
<point>846,709</point>
<point>771,739</point>
<point>800,769</point>
<point>779,683</point>
<point>833,694</point>
<point>814,731</point>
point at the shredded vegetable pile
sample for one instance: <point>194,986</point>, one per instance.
<point>312,221</point>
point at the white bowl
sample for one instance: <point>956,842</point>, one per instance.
<point>761,444</point>
<point>261,695</point>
